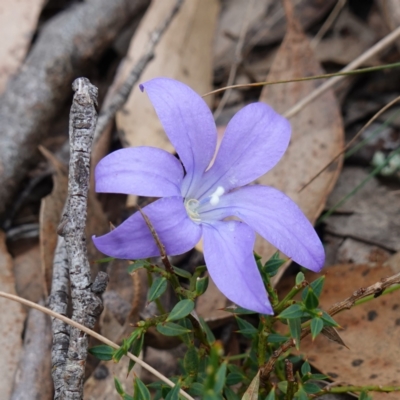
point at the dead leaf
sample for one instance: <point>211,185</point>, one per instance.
<point>372,215</point>
<point>28,274</point>
<point>252,391</point>
<point>18,21</point>
<point>317,131</point>
<point>349,38</point>
<point>12,317</point>
<point>369,330</point>
<point>267,25</point>
<point>184,53</point>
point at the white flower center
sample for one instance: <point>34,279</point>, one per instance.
<point>193,205</point>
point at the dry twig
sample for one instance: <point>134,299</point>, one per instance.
<point>86,302</point>
<point>93,334</point>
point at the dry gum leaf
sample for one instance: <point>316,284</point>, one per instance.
<point>18,21</point>
<point>369,330</point>
<point>12,317</point>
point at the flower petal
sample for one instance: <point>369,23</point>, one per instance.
<point>188,122</point>
<point>144,171</point>
<point>277,219</point>
<point>228,252</point>
<point>254,141</point>
<point>133,239</point>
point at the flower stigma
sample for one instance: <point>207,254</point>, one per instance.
<point>193,206</point>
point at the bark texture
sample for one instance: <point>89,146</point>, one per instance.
<point>86,302</point>
<point>32,99</point>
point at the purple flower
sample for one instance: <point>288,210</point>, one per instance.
<point>197,203</point>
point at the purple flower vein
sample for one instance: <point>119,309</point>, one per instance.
<point>198,203</point>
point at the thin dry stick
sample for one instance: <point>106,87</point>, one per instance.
<point>328,23</point>
<point>237,61</point>
<point>377,48</point>
<point>58,302</point>
<point>86,301</point>
<point>121,96</point>
<point>377,115</point>
<point>93,334</point>
<point>376,289</point>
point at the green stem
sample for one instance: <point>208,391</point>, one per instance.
<point>372,297</point>
<point>346,389</point>
<point>293,292</point>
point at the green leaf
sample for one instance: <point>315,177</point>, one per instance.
<point>135,349</point>
<point>220,377</point>
<point>181,310</point>
<point>245,328</point>
<point>230,394</point>
<point>311,301</point>
<point>182,273</point>
<point>283,386</point>
<point>295,330</point>
<point>276,338</point>
<point>196,389</point>
<point>311,388</point>
<point>201,285</point>
<point>137,265</point>
<point>191,361</point>
<point>171,329</point>
<point>300,278</point>
<point>305,368</point>
<point>140,390</point>
<point>119,387</point>
<point>328,320</point>
<point>158,287</point>
<point>102,352</point>
<point>271,395</point>
<point>364,396</point>
<point>272,266</point>
<point>301,394</point>
<point>293,311</point>
<point>174,393</point>
<point>316,286</point>
<point>251,392</point>
<point>210,336</point>
<point>316,327</point>
<point>234,377</point>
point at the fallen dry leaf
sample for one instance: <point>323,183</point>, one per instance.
<point>184,53</point>
<point>18,21</point>
<point>372,215</point>
<point>12,317</point>
<point>369,330</point>
<point>317,131</point>
<point>267,24</point>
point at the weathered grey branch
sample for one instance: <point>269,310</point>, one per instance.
<point>32,99</point>
<point>32,380</point>
<point>121,96</point>
<point>86,303</point>
<point>59,299</point>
